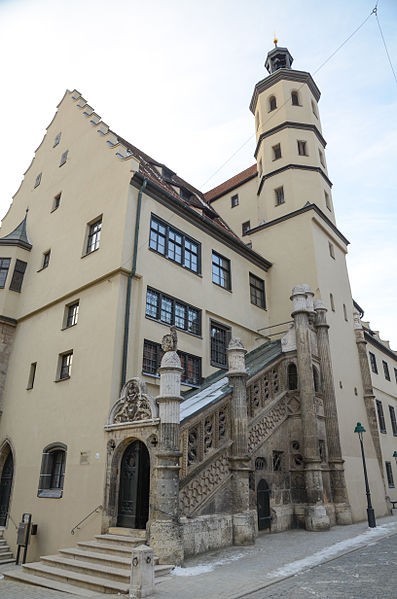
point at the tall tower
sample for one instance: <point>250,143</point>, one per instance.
<point>290,147</point>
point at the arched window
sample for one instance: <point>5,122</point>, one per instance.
<point>52,471</point>
<point>292,376</point>
<point>272,103</point>
<point>316,380</point>
<point>295,98</point>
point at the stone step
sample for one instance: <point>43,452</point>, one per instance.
<point>89,568</point>
<point>8,560</point>
<point>5,555</point>
<point>114,561</point>
<point>21,576</point>
<point>93,583</point>
<point>107,548</point>
<point>3,542</point>
<point>4,548</point>
<point>139,533</point>
<point>162,570</point>
<point>120,540</point>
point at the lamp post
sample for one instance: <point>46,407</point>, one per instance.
<point>370,510</point>
<point>395,456</point>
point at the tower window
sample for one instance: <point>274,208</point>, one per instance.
<point>327,200</point>
<point>322,159</point>
<point>331,299</point>
<point>276,152</point>
<point>302,149</point>
<point>272,103</point>
<point>331,250</point>
<point>279,193</point>
<point>314,110</point>
<point>260,168</point>
<point>234,201</point>
<point>17,275</point>
<point>245,227</point>
<point>295,98</point>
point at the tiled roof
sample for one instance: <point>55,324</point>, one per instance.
<point>230,184</point>
<point>18,236</point>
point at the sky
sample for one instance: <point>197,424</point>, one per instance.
<point>175,78</point>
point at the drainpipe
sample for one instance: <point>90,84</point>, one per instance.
<point>129,284</point>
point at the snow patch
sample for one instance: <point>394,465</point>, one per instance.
<point>205,568</point>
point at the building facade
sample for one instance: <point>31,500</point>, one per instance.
<point>102,250</point>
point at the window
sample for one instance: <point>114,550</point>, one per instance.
<point>316,380</point>
<point>38,180</point>
<point>331,250</point>
<point>257,291</point>
<point>71,315</point>
<point>234,201</point>
<point>279,193</point>
<point>94,236</point>
<point>64,157</point>
<point>395,374</point>
<point>172,311</point>
<point>327,200</point>
<point>277,461</point>
<point>389,474</point>
<point>295,98</point>
<point>345,312</point>
<point>221,271</point>
<point>322,159</point>
<point>32,374</point>
<point>4,266</point>
<point>276,152</point>
<point>272,103</point>
<point>257,120</point>
<point>372,360</point>
<point>331,299</point>
<point>322,451</point>
<point>174,245</point>
<point>57,140</point>
<point>302,151</point>
<point>46,259</point>
<point>245,227</point>
<point>52,471</point>
<point>260,168</point>
<point>381,416</point>
<point>393,420</point>
<point>17,275</point>
<point>386,370</point>
<point>56,202</point>
<point>220,338</point>
<point>314,110</point>
<point>191,365</point>
<point>292,375</point>
<point>65,365</point>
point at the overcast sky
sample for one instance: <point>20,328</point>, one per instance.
<point>175,78</point>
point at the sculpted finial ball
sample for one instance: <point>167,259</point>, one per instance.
<point>170,341</point>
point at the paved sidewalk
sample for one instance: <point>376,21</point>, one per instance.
<point>233,572</point>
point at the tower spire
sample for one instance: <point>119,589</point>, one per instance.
<point>278,58</point>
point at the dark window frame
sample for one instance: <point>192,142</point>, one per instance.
<point>18,275</point>
<point>218,346</point>
<point>272,103</point>
<point>393,420</point>
<point>190,364</point>
<point>156,307</point>
<point>245,227</point>
<point>372,362</point>
<point>302,147</point>
<point>46,259</point>
<point>280,197</point>
<point>64,158</point>
<point>65,366</point>
<point>234,201</point>
<point>381,416</point>
<point>276,149</point>
<point>52,471</point>
<point>72,314</point>
<point>221,270</point>
<point>174,241</point>
<point>277,461</point>
<point>4,268</point>
<point>37,180</point>
<point>57,139</point>
<point>389,474</point>
<point>257,291</point>
<point>32,375</point>
<point>295,98</point>
<point>386,370</point>
<point>93,236</point>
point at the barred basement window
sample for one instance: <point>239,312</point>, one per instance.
<point>52,471</point>
<point>17,275</point>
<point>191,365</point>
<point>277,461</point>
<point>172,311</point>
<point>220,338</point>
<point>94,236</point>
<point>372,360</point>
<point>381,416</point>
<point>221,271</point>
<point>257,291</point>
<point>4,267</point>
<point>393,420</point>
<point>174,245</point>
<point>389,473</point>
<point>386,370</point>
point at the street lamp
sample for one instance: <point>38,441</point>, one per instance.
<point>370,510</point>
<point>395,456</point>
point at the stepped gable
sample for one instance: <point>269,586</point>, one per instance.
<point>230,184</point>
<point>374,336</point>
<point>216,386</point>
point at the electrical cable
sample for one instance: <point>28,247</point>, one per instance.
<point>384,42</point>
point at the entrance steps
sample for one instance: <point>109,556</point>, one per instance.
<point>6,556</point>
<point>99,566</point>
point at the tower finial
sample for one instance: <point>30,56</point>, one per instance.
<point>275,40</point>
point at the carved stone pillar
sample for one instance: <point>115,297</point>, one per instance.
<point>316,517</point>
<point>369,396</point>
<point>166,535</point>
<point>243,518</point>
<point>335,461</point>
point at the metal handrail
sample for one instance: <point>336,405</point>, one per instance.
<point>77,527</point>
<point>12,520</point>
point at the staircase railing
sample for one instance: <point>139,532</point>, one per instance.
<point>96,510</point>
<point>9,517</point>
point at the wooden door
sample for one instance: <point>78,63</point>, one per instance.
<point>133,506</point>
<point>263,505</point>
<point>5,488</point>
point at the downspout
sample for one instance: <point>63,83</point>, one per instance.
<point>129,285</point>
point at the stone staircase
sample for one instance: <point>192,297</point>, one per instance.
<point>6,556</point>
<point>99,566</point>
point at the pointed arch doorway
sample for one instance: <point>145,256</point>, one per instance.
<point>263,505</point>
<point>133,506</point>
<point>5,488</point>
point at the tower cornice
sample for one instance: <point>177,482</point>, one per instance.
<point>290,125</point>
<point>280,75</point>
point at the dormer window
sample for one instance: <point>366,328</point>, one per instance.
<point>295,98</point>
<point>272,103</point>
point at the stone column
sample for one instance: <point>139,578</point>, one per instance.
<point>369,396</point>
<point>335,461</point>
<point>316,517</point>
<point>166,534</point>
<point>243,519</point>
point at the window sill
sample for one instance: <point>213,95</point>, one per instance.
<point>384,432</point>
<point>69,327</point>
<point>53,210</point>
<point>29,388</point>
<point>89,253</point>
<point>221,366</point>
<point>65,378</point>
<point>261,307</point>
<point>51,493</point>
<point>42,268</point>
<point>221,286</point>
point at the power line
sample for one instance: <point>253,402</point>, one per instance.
<point>384,42</point>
